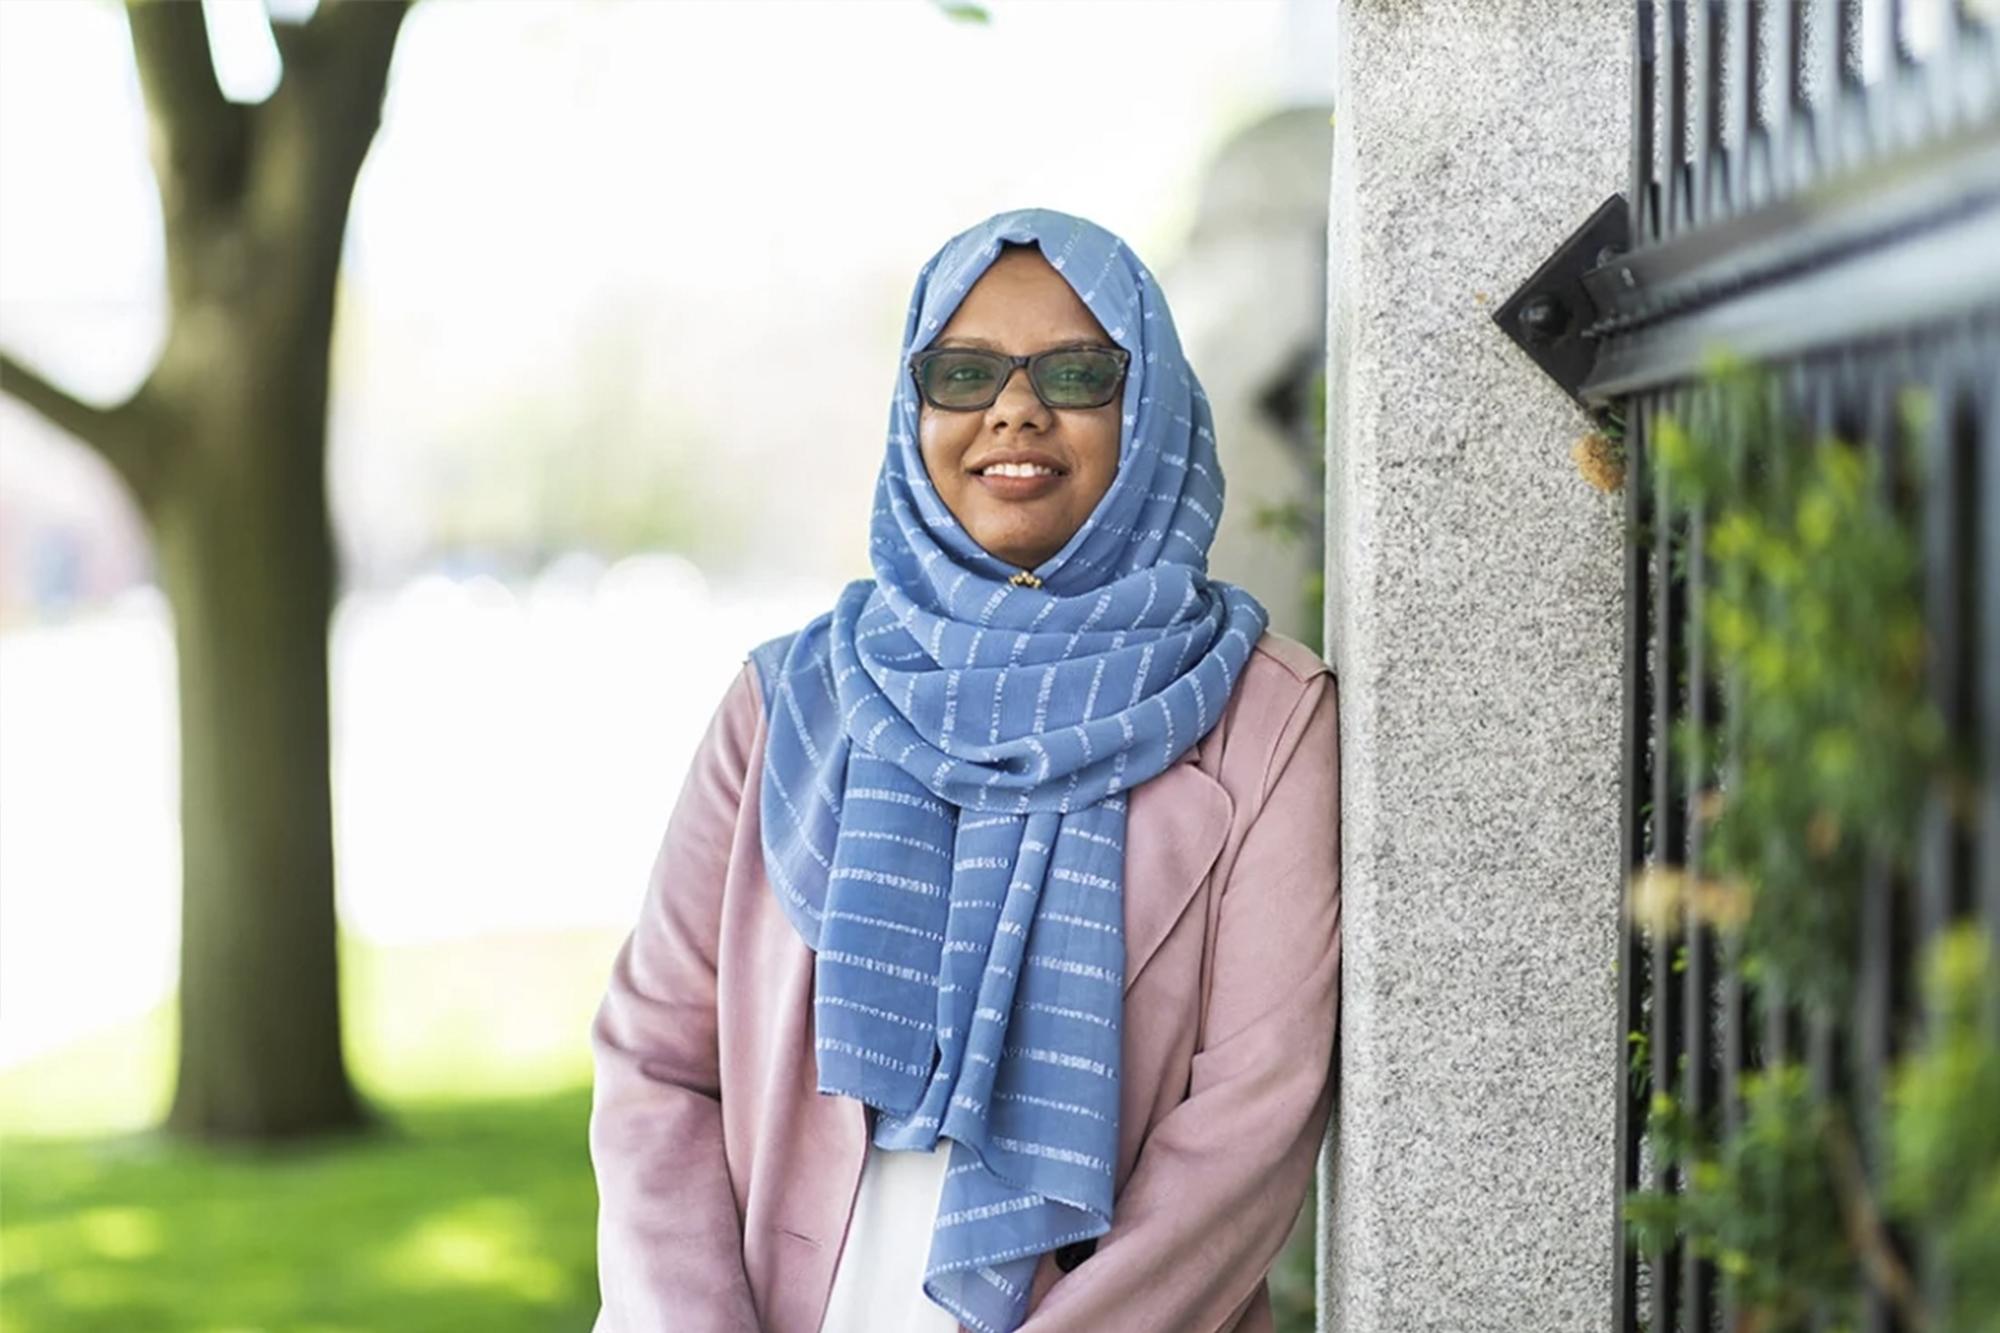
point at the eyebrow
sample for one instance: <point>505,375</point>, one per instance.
<point>988,345</point>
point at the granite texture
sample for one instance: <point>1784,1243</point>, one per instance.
<point>1474,608</point>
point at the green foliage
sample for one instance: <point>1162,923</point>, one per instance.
<point>1761,1205</point>
<point>1828,761</point>
<point>1302,521</point>
<point>1815,611</point>
<point>524,481</point>
<point>1945,1136</point>
<point>1294,1293</point>
<point>963,11</point>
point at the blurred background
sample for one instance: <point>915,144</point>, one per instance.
<point>618,313</point>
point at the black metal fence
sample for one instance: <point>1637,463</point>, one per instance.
<point>1816,188</point>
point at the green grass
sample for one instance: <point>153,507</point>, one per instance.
<point>471,1207</point>
<point>471,1215</point>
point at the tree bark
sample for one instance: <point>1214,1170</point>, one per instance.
<point>246,554</point>
<point>246,560</point>
<point>225,449</point>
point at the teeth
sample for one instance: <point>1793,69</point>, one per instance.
<point>1018,470</point>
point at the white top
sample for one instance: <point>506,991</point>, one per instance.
<point>878,1286</point>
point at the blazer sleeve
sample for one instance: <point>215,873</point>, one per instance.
<point>669,1238</point>
<point>1219,1182</point>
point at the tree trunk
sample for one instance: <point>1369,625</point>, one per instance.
<point>225,449</point>
<point>246,560</point>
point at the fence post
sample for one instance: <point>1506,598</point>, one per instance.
<point>1474,613</point>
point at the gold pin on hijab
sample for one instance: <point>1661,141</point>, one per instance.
<point>1025,580</point>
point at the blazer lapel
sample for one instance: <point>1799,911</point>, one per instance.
<point>1174,832</point>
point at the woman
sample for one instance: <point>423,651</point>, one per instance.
<point>988,971</point>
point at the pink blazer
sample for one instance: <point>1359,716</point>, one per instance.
<point>726,1181</point>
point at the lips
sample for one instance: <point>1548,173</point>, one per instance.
<point>1018,477</point>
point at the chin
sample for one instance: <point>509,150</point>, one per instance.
<point>1019,557</point>
<point>1007,537</point>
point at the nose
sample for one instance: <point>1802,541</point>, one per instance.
<point>1018,404</point>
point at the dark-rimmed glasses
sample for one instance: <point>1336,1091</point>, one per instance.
<point>969,379</point>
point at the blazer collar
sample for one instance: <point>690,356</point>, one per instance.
<point>1174,832</point>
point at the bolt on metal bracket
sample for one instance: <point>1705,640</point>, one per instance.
<point>1550,315</point>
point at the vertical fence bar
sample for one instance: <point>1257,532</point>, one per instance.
<point>1729,1089</point>
<point>1946,591</point>
<point>1820,1072</point>
<point>1823,1075</point>
<point>1872,1017</point>
<point>1674,59</point>
<point>1872,1021</point>
<point>1941,868</point>
<point>1824,395</point>
<point>1746,46</point>
<point>1706,89</point>
<point>1736,1035</point>
<point>1851,35</point>
<point>1935,89</point>
<point>1883,35</point>
<point>1829,46</point>
<point>1637,783</point>
<point>1698,1095</point>
<point>1715,93</point>
<point>1843,111</point>
<point>1981,418</point>
<point>1645,200</point>
<point>1669,1028</point>
<point>1788,53</point>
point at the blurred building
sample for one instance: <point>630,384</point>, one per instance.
<point>69,535</point>
<point>1249,295</point>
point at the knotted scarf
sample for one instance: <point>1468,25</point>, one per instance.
<point>945,784</point>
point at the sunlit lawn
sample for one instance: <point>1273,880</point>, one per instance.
<point>470,1208</point>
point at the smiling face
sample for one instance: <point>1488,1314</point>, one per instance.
<point>1020,477</point>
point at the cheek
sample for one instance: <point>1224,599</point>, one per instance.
<point>934,444</point>
<point>1101,448</point>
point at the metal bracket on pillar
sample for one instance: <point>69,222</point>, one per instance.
<point>1551,314</point>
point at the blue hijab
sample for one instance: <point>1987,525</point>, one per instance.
<point>945,784</point>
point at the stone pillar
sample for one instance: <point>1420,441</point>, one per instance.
<point>1474,613</point>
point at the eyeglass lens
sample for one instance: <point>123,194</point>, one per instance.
<point>966,379</point>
